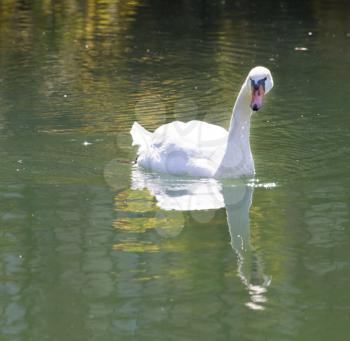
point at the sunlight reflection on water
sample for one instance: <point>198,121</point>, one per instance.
<point>90,250</point>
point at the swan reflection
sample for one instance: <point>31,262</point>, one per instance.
<point>174,194</point>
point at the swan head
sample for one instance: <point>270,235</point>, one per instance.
<point>260,82</point>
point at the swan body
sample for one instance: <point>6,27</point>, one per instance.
<point>197,148</point>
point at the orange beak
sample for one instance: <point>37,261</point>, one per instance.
<point>257,97</point>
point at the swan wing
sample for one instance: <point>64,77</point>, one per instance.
<point>197,138</point>
<point>140,137</point>
<point>192,148</point>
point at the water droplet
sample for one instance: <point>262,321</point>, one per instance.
<point>298,48</point>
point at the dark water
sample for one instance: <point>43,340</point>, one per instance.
<point>88,248</point>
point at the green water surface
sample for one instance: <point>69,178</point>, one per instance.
<point>92,248</point>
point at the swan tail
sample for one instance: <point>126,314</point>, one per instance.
<point>140,136</point>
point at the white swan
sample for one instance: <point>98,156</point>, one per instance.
<point>201,149</point>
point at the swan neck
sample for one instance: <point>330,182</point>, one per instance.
<point>238,160</point>
<point>241,111</point>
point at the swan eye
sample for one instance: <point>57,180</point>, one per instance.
<point>254,84</point>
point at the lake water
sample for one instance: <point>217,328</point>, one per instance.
<point>92,248</point>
